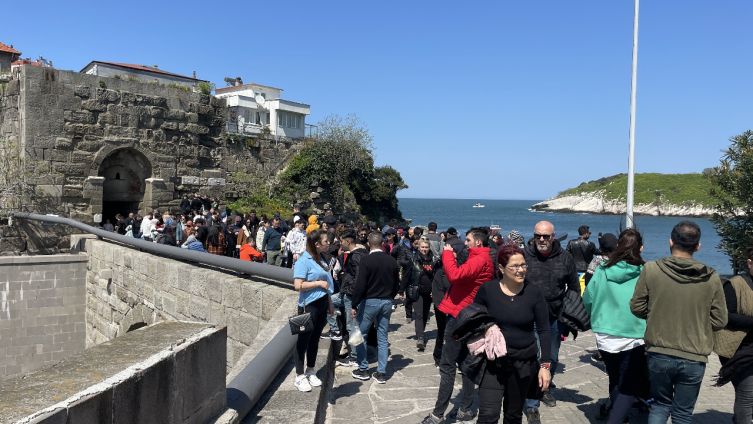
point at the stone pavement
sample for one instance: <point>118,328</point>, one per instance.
<point>413,382</point>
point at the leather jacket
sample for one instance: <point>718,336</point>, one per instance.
<point>583,252</point>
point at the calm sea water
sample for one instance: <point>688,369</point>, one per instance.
<point>516,215</point>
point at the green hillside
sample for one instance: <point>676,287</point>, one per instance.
<point>674,189</point>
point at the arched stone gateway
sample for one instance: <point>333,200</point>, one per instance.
<point>125,172</point>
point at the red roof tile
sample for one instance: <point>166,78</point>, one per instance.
<point>9,49</point>
<point>143,68</point>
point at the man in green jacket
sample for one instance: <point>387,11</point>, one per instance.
<point>682,301</point>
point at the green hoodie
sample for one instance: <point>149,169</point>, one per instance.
<point>682,301</point>
<point>607,299</point>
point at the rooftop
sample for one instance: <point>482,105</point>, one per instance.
<point>8,49</point>
<point>244,85</point>
<point>141,68</point>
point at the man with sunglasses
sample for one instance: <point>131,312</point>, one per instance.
<point>552,269</point>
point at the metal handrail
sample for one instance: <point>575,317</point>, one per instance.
<point>261,270</point>
<point>250,384</point>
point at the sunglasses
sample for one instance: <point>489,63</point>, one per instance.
<point>542,236</point>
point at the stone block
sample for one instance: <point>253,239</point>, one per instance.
<point>81,91</point>
<point>62,143</point>
<point>91,409</point>
<point>273,298</point>
<point>232,292</point>
<point>248,326</point>
<point>106,95</point>
<point>199,308</point>
<point>199,281</point>
<point>148,396</point>
<point>214,288</point>
<point>94,105</point>
<point>252,298</point>
<point>71,169</point>
<point>54,155</point>
<point>79,117</point>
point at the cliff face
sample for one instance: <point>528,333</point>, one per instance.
<point>595,203</point>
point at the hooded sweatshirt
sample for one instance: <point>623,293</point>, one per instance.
<point>607,299</point>
<point>682,301</point>
<point>313,224</point>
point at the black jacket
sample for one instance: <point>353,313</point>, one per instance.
<point>349,273</point>
<point>404,256</point>
<point>185,206</point>
<point>573,314</point>
<point>196,204</point>
<point>416,273</point>
<point>553,275</point>
<point>583,252</point>
<point>377,278</point>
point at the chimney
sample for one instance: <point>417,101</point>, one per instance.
<point>156,67</point>
<point>238,81</point>
<point>194,74</point>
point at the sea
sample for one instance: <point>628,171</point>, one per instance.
<point>517,215</point>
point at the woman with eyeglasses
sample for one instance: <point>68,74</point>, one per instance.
<point>516,306</point>
<point>619,333</point>
<point>421,274</point>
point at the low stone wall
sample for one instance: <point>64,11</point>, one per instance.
<point>42,309</point>
<point>126,288</point>
<point>168,373</point>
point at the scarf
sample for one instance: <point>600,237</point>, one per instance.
<point>492,344</point>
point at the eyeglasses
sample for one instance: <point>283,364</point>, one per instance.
<point>517,267</point>
<point>542,236</point>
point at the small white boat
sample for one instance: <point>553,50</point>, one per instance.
<point>478,205</point>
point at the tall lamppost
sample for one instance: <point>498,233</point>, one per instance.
<point>631,157</point>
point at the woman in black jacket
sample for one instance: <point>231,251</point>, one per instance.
<point>420,274</point>
<point>516,305</point>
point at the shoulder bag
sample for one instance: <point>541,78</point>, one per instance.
<point>301,323</point>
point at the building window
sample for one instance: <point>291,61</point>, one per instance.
<point>289,120</point>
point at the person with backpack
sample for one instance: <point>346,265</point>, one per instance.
<point>417,284</point>
<point>216,240</point>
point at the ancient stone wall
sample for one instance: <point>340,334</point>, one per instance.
<point>41,311</point>
<point>126,288</point>
<point>139,145</point>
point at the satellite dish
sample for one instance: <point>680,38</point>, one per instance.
<point>260,100</point>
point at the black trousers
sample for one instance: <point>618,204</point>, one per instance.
<point>421,307</point>
<point>441,318</point>
<point>308,343</point>
<point>501,386</point>
<point>408,308</point>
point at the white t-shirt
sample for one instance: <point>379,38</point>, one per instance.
<point>615,344</point>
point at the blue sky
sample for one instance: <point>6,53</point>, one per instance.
<point>496,100</point>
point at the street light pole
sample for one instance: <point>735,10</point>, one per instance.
<point>631,157</point>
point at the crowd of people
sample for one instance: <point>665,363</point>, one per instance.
<point>499,304</point>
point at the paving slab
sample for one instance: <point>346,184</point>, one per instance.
<point>413,383</point>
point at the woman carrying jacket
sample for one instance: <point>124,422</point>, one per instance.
<point>313,279</point>
<point>734,344</point>
<point>619,333</point>
<point>421,274</point>
<point>516,306</point>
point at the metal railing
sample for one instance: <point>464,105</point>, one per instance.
<point>250,384</point>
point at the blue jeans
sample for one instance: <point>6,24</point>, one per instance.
<point>338,301</point>
<point>377,311</point>
<point>675,384</point>
<point>556,331</point>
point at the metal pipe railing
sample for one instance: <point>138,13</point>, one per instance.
<point>238,265</point>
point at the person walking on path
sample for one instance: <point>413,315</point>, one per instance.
<point>420,275</point>
<point>376,286</point>
<point>465,281</point>
<point>619,334</point>
<point>516,305</point>
<point>272,243</point>
<point>312,278</point>
<point>582,250</point>
<point>682,301</point>
<point>552,269</point>
<point>355,251</point>
<point>734,344</point>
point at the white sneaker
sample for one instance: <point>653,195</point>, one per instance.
<point>313,379</point>
<point>302,383</point>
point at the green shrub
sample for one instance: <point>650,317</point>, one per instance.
<point>206,87</point>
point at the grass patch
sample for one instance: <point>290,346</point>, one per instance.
<point>676,189</point>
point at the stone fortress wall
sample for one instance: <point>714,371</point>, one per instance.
<point>118,145</point>
<point>127,289</point>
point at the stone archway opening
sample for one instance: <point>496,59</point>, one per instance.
<point>125,172</point>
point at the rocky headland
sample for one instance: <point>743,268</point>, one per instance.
<point>597,203</point>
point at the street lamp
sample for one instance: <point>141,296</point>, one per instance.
<point>631,156</point>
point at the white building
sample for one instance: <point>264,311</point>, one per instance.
<point>139,72</point>
<point>251,107</point>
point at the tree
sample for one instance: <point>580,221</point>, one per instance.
<point>19,179</point>
<point>732,189</point>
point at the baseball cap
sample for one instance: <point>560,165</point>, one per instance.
<point>607,242</point>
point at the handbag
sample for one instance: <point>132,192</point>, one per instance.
<point>411,292</point>
<point>301,323</point>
